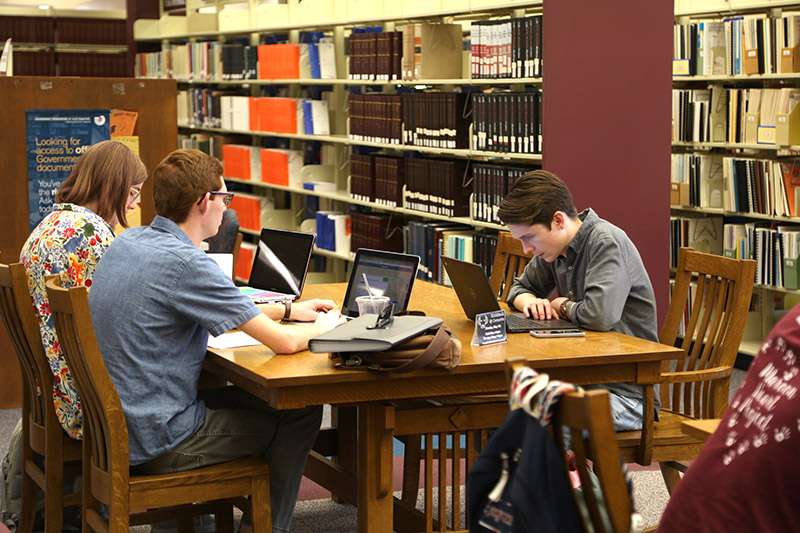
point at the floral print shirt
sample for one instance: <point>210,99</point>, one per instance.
<point>68,242</point>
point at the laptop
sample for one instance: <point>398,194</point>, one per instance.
<point>476,296</point>
<point>280,266</point>
<point>388,273</point>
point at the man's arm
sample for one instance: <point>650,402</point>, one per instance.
<point>527,291</point>
<point>607,286</point>
<point>286,339</point>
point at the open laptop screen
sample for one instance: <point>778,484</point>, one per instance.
<point>281,261</point>
<point>388,273</point>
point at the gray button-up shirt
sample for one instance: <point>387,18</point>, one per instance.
<point>154,300</point>
<point>604,276</point>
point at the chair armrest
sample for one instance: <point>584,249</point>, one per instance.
<point>718,372</point>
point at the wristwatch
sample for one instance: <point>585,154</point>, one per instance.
<point>564,310</point>
<point>288,305</point>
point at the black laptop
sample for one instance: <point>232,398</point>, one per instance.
<point>476,296</point>
<point>280,266</point>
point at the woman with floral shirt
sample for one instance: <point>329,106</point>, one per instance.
<point>104,185</point>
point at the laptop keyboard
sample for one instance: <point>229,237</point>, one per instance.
<point>518,324</point>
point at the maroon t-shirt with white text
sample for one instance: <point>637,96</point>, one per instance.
<point>747,477</point>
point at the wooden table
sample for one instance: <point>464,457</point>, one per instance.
<point>310,379</point>
<point>700,429</point>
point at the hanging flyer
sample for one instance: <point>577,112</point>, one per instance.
<point>56,138</point>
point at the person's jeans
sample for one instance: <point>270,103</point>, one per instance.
<point>239,424</point>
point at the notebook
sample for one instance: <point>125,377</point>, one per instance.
<point>476,296</point>
<point>388,273</point>
<point>280,266</point>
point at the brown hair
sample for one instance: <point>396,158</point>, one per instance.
<point>181,179</point>
<point>535,198</point>
<point>104,174</point>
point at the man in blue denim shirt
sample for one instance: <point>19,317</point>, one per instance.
<point>154,300</point>
<point>593,265</point>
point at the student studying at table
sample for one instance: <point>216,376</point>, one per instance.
<point>593,265</point>
<point>156,297</point>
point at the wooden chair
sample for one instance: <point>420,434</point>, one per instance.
<point>586,415</point>
<point>698,387</point>
<point>509,262</point>
<point>590,412</point>
<point>44,442</point>
<point>106,468</point>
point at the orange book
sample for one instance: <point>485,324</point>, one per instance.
<point>266,62</point>
<point>244,263</point>
<point>285,115</point>
<point>248,210</point>
<point>254,116</point>
<point>275,167</point>
<point>232,161</point>
<point>289,61</point>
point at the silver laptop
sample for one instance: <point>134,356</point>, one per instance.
<point>388,273</point>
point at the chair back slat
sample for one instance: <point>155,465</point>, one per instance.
<point>509,262</point>
<point>101,405</point>
<point>714,326</point>
<point>21,323</point>
<point>587,416</point>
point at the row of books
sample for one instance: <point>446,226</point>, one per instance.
<point>222,109</point>
<point>438,186</point>
<point>721,114</point>
<point>508,48</point>
<point>491,183</point>
<point>507,122</point>
<point>210,143</point>
<point>744,45</point>
<point>65,30</point>
<point>334,231</point>
<point>433,239</point>
<point>738,184</point>
<point>377,178</point>
<point>375,55</point>
<point>28,29</point>
<point>75,30</point>
<point>376,118</point>
<point>377,231</point>
<point>215,61</point>
<point>774,247</point>
<point>435,119</point>
<point>276,166</point>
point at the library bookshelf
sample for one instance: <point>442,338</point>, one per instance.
<point>734,156</point>
<point>65,42</point>
<point>582,122</point>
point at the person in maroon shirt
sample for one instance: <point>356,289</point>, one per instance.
<point>746,477</point>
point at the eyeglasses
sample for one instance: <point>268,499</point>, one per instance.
<point>384,318</point>
<point>134,194</point>
<point>227,197</point>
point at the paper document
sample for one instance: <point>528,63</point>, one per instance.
<point>232,340</point>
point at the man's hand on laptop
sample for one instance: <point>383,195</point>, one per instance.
<point>536,308</point>
<point>330,319</point>
<point>308,311</point>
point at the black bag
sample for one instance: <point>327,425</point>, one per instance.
<point>435,348</point>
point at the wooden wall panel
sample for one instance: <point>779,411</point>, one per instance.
<point>157,129</point>
<point>606,98</point>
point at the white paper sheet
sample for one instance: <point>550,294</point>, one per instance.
<point>232,340</point>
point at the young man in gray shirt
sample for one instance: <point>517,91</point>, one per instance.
<point>594,267</point>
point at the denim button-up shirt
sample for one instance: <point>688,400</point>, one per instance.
<point>154,300</point>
